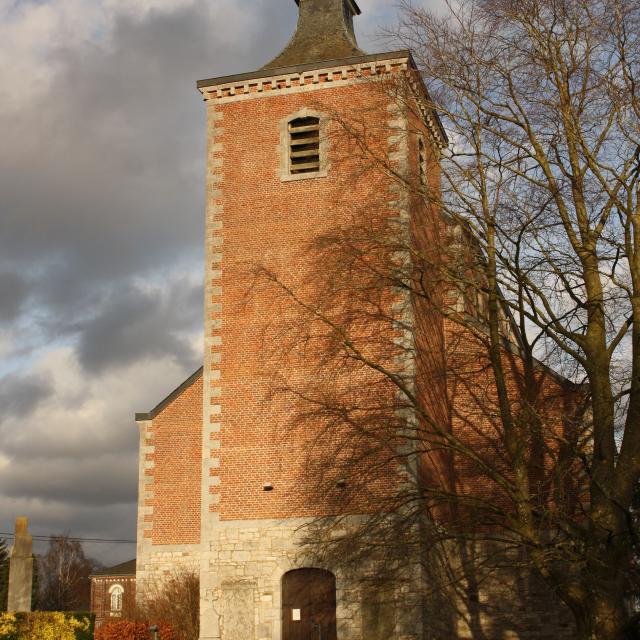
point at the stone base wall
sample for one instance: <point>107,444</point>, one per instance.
<point>457,593</point>
<point>161,562</point>
<point>515,604</point>
<point>477,592</point>
<point>241,588</point>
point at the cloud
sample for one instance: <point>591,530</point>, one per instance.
<point>92,522</point>
<point>42,480</point>
<point>101,223</point>
<point>87,416</point>
<point>141,325</point>
<point>13,294</point>
<point>21,394</point>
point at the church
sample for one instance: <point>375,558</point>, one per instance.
<point>318,371</point>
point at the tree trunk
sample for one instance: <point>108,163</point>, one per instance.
<point>603,617</point>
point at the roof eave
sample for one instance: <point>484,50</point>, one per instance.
<point>300,68</point>
<point>144,417</point>
<point>403,54</point>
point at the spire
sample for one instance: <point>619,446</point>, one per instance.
<point>325,32</point>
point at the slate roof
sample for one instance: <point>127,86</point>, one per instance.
<point>171,397</point>
<point>124,569</point>
<point>325,32</point>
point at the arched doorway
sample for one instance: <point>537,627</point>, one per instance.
<point>309,605</point>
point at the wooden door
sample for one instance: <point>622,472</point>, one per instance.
<point>309,605</point>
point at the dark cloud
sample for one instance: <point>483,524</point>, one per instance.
<point>13,294</point>
<point>20,395</point>
<point>107,181</point>
<point>66,481</point>
<point>114,434</point>
<point>46,518</point>
<point>140,325</point>
<point>101,205</point>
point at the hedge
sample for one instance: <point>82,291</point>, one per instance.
<point>129,630</point>
<point>45,625</point>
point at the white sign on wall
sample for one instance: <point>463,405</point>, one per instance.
<point>295,615</point>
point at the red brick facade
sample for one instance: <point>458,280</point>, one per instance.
<point>272,224</point>
<point>476,417</point>
<point>113,592</point>
<point>172,469</point>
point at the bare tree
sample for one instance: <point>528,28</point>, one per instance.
<point>64,572</point>
<point>541,100</point>
<point>175,600</point>
<point>520,427</point>
<point>4,574</point>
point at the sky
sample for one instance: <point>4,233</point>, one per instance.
<point>101,233</point>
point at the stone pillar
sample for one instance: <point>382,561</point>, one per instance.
<point>21,569</point>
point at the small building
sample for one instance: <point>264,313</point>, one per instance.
<point>113,591</point>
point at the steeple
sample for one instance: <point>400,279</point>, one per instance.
<point>325,32</point>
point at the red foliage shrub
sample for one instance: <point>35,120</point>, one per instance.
<point>123,630</point>
<point>129,630</point>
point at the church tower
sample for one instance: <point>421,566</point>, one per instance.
<point>290,471</point>
<point>279,175</point>
<point>229,487</point>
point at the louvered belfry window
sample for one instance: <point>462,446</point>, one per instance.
<point>304,145</point>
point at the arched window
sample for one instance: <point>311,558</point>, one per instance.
<point>304,145</point>
<point>116,592</point>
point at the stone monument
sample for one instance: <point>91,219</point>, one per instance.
<point>21,569</point>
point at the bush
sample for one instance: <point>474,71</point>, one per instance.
<point>130,630</point>
<point>8,626</point>
<point>46,626</point>
<point>176,599</point>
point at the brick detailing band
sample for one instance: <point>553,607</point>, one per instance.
<point>289,83</point>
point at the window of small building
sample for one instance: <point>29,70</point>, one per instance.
<point>304,145</point>
<point>117,593</point>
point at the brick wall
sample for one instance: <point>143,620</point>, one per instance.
<point>262,432</point>
<point>101,598</point>
<point>476,420</point>
<point>169,493</point>
<point>174,470</point>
